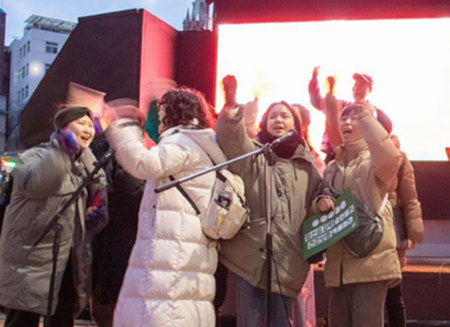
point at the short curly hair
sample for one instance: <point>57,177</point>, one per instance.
<point>186,107</point>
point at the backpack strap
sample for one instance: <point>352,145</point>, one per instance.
<point>362,205</point>
<point>186,196</point>
<point>383,205</point>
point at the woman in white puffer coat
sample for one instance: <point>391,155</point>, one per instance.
<point>169,279</point>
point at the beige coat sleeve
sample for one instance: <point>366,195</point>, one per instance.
<point>386,158</point>
<point>332,112</point>
<point>232,137</point>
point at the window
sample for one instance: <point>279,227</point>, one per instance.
<point>23,72</point>
<point>26,91</point>
<point>27,70</point>
<point>51,47</point>
<point>28,47</point>
<point>20,52</point>
<point>18,96</point>
<point>47,66</point>
<point>22,92</point>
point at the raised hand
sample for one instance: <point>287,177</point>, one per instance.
<point>229,84</point>
<point>331,83</point>
<point>315,72</point>
<point>121,111</point>
<point>68,141</point>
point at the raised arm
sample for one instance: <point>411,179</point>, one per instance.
<point>233,138</point>
<point>386,158</point>
<point>332,114</point>
<point>165,159</point>
<point>314,91</point>
<point>231,129</point>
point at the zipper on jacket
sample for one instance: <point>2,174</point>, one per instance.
<point>345,169</point>
<point>295,170</point>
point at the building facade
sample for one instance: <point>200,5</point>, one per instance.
<point>4,80</point>
<point>198,19</point>
<point>31,57</point>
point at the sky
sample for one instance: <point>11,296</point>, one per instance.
<point>170,11</point>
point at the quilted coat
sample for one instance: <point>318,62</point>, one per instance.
<point>44,179</point>
<point>368,167</point>
<point>169,279</point>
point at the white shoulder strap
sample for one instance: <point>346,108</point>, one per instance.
<point>383,205</point>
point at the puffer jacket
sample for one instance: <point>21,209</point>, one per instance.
<point>405,196</point>
<point>296,183</point>
<point>169,279</point>
<point>44,179</point>
<point>369,168</point>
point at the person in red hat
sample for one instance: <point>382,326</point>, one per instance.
<point>362,88</point>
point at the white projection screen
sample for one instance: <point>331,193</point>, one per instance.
<point>409,60</point>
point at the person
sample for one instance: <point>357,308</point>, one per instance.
<point>305,115</point>
<point>366,162</point>
<point>5,194</point>
<point>296,183</point>
<point>113,245</point>
<point>169,280</point>
<point>406,199</point>
<point>44,179</point>
<point>362,88</point>
<point>305,304</point>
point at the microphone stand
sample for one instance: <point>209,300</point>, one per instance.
<point>268,181</point>
<point>267,151</point>
<point>54,225</point>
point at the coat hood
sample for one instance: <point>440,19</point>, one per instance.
<point>205,138</point>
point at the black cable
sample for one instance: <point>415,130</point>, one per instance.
<point>281,292</point>
<point>273,254</point>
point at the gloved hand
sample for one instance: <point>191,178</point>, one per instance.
<point>68,141</point>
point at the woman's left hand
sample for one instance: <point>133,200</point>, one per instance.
<point>326,204</point>
<point>68,141</point>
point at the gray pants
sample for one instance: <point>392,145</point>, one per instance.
<point>251,306</point>
<point>358,305</point>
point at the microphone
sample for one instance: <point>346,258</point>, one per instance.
<point>283,138</point>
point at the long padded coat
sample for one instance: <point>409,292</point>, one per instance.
<point>169,280</point>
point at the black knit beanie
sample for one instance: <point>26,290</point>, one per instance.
<point>69,114</point>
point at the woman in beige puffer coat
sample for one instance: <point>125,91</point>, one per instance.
<point>366,162</point>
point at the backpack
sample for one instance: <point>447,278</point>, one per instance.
<point>227,211</point>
